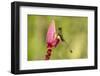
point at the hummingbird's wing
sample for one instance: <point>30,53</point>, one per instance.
<point>64,42</point>
<point>67,46</point>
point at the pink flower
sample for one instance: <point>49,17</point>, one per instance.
<point>51,38</point>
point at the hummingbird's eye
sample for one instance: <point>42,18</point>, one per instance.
<point>60,28</point>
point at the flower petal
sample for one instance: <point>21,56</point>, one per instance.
<point>51,32</point>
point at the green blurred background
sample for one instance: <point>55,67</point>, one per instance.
<point>74,30</point>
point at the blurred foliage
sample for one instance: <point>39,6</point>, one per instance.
<point>74,30</point>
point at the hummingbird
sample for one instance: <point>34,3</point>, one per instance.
<point>53,38</point>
